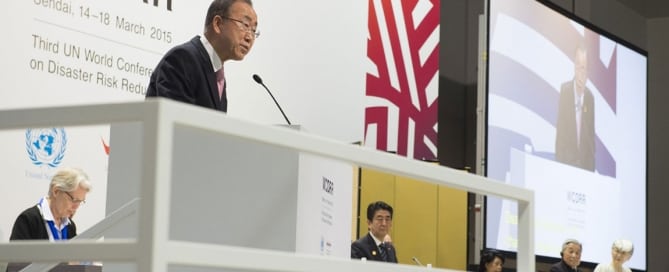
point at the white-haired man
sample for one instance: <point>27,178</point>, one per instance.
<point>571,257</point>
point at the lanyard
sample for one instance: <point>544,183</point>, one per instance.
<point>52,227</point>
<point>54,231</point>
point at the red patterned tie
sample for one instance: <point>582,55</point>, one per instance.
<point>220,81</point>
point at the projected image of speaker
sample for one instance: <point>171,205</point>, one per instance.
<point>566,117</point>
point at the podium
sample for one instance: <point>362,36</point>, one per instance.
<point>161,165</point>
<point>234,191</point>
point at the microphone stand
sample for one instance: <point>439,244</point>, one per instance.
<point>259,81</point>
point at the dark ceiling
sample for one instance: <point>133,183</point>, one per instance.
<point>648,8</point>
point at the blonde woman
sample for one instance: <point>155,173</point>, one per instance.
<point>621,252</point>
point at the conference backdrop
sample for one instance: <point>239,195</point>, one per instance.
<point>311,54</point>
<point>402,84</point>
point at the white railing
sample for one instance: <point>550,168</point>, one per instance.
<point>153,251</point>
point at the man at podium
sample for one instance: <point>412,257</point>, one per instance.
<point>372,246</point>
<point>193,72</point>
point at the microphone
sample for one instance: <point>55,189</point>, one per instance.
<point>259,81</point>
<point>415,260</point>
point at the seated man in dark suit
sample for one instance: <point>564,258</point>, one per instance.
<point>571,257</point>
<point>372,246</point>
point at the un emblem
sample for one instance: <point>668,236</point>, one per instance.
<point>46,145</point>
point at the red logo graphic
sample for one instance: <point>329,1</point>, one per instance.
<point>105,146</point>
<point>404,48</point>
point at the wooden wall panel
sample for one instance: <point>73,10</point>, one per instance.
<point>429,221</point>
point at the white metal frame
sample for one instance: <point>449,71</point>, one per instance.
<point>153,251</point>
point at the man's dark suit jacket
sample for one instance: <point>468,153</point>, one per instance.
<point>367,248</point>
<point>562,267</point>
<point>567,149</point>
<point>186,74</point>
<point>30,225</point>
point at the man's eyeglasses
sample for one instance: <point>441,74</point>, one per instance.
<point>245,27</point>
<point>380,219</point>
<point>74,200</point>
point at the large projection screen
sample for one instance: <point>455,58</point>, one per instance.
<point>589,179</point>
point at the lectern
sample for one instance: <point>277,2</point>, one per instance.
<point>234,191</point>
